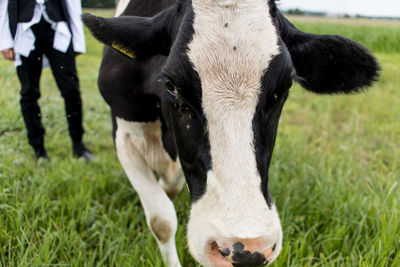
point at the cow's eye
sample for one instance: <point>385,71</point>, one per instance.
<point>171,87</point>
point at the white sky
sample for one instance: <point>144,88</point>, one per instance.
<point>363,7</point>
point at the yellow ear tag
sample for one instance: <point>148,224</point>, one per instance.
<point>123,50</point>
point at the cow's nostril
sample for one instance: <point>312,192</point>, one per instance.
<point>238,247</point>
<point>224,252</point>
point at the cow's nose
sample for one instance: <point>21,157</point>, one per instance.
<point>240,252</point>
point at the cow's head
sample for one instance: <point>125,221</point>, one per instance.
<point>227,76</point>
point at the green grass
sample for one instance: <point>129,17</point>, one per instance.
<point>334,176</point>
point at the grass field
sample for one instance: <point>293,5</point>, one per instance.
<point>334,176</point>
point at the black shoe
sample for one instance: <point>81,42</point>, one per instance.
<point>80,151</point>
<point>40,153</point>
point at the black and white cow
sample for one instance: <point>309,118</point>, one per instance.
<point>196,88</point>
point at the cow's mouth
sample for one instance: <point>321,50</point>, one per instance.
<point>237,255</point>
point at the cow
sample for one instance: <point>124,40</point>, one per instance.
<point>196,89</point>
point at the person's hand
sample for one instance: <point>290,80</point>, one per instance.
<point>9,54</point>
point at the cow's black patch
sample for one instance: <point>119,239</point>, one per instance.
<point>185,112</point>
<point>275,84</point>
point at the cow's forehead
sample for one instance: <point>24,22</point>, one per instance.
<point>232,45</point>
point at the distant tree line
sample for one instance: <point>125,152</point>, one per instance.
<point>300,12</point>
<point>98,3</point>
<point>295,12</point>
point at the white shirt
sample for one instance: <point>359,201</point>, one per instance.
<point>24,41</point>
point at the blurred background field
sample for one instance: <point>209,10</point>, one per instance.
<point>334,176</point>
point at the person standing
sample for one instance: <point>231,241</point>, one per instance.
<point>34,31</point>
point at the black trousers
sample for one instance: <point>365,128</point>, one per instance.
<point>64,71</point>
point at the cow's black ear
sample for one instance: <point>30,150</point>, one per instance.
<point>328,64</point>
<point>134,37</point>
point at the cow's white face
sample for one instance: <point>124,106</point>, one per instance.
<point>232,46</point>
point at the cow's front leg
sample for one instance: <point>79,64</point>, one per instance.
<point>159,209</point>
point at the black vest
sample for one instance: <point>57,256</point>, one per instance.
<point>22,11</point>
